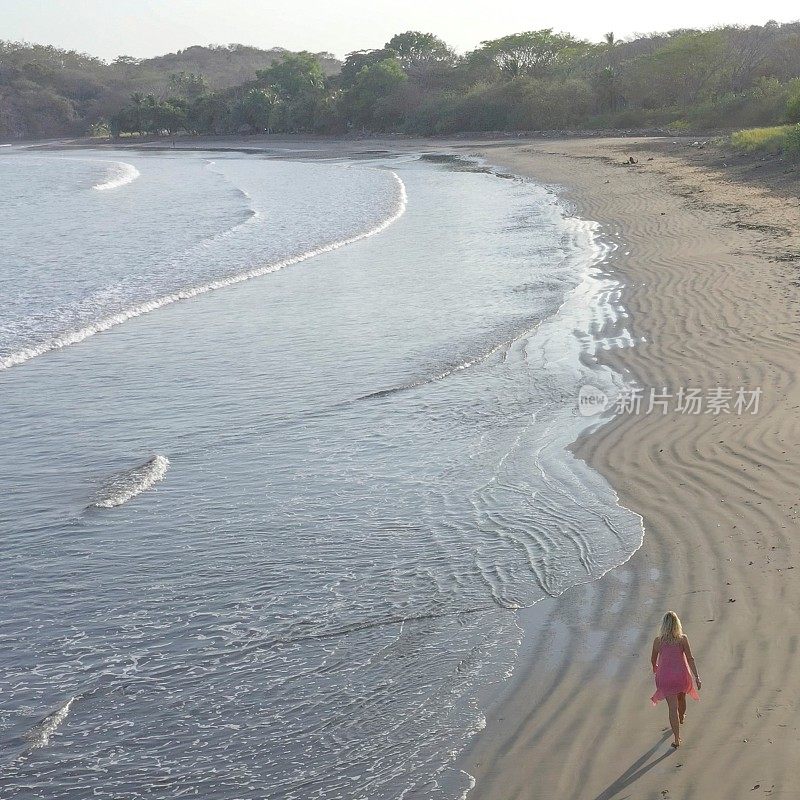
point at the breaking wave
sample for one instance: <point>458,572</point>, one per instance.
<point>81,334</point>
<point>118,175</point>
<point>39,736</point>
<point>126,485</point>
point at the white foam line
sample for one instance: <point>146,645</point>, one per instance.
<point>470,787</point>
<point>74,337</point>
<point>125,174</point>
<point>134,482</point>
<point>40,736</point>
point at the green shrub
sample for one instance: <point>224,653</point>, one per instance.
<point>766,140</point>
<point>762,104</point>
<point>791,145</point>
<point>793,108</point>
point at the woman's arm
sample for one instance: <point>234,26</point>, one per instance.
<point>654,654</point>
<point>690,658</point>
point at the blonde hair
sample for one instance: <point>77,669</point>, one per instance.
<point>671,629</point>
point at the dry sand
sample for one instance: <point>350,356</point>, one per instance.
<point>710,259</point>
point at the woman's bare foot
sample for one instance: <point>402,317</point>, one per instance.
<point>677,744</point>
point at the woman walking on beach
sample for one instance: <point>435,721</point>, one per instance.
<point>672,658</point>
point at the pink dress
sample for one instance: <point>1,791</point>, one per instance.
<point>672,673</point>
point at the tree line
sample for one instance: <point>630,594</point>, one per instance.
<point>46,91</point>
<point>725,77</point>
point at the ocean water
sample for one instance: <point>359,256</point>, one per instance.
<point>285,448</point>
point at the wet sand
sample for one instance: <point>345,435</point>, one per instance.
<point>710,262</point>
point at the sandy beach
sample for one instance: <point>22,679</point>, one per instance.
<point>709,257</point>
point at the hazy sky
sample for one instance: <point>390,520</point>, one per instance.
<point>108,28</point>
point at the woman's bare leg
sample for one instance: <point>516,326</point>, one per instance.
<point>674,722</point>
<point>681,707</point>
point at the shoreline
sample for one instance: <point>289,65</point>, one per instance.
<point>716,494</point>
<point>576,232</point>
<point>710,285</point>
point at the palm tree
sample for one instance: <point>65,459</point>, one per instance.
<point>611,68</point>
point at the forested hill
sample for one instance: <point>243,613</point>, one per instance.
<point>726,77</point>
<point>45,91</point>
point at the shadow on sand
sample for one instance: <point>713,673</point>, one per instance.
<point>636,770</point>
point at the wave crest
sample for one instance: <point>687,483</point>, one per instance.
<point>126,485</point>
<point>75,336</point>
<point>120,174</point>
<point>39,736</point>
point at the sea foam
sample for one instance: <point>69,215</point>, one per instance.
<point>119,174</point>
<point>126,485</point>
<point>39,736</point>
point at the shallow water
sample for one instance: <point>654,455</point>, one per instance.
<point>289,448</point>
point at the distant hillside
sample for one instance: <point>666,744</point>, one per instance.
<point>225,65</point>
<point>45,91</point>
